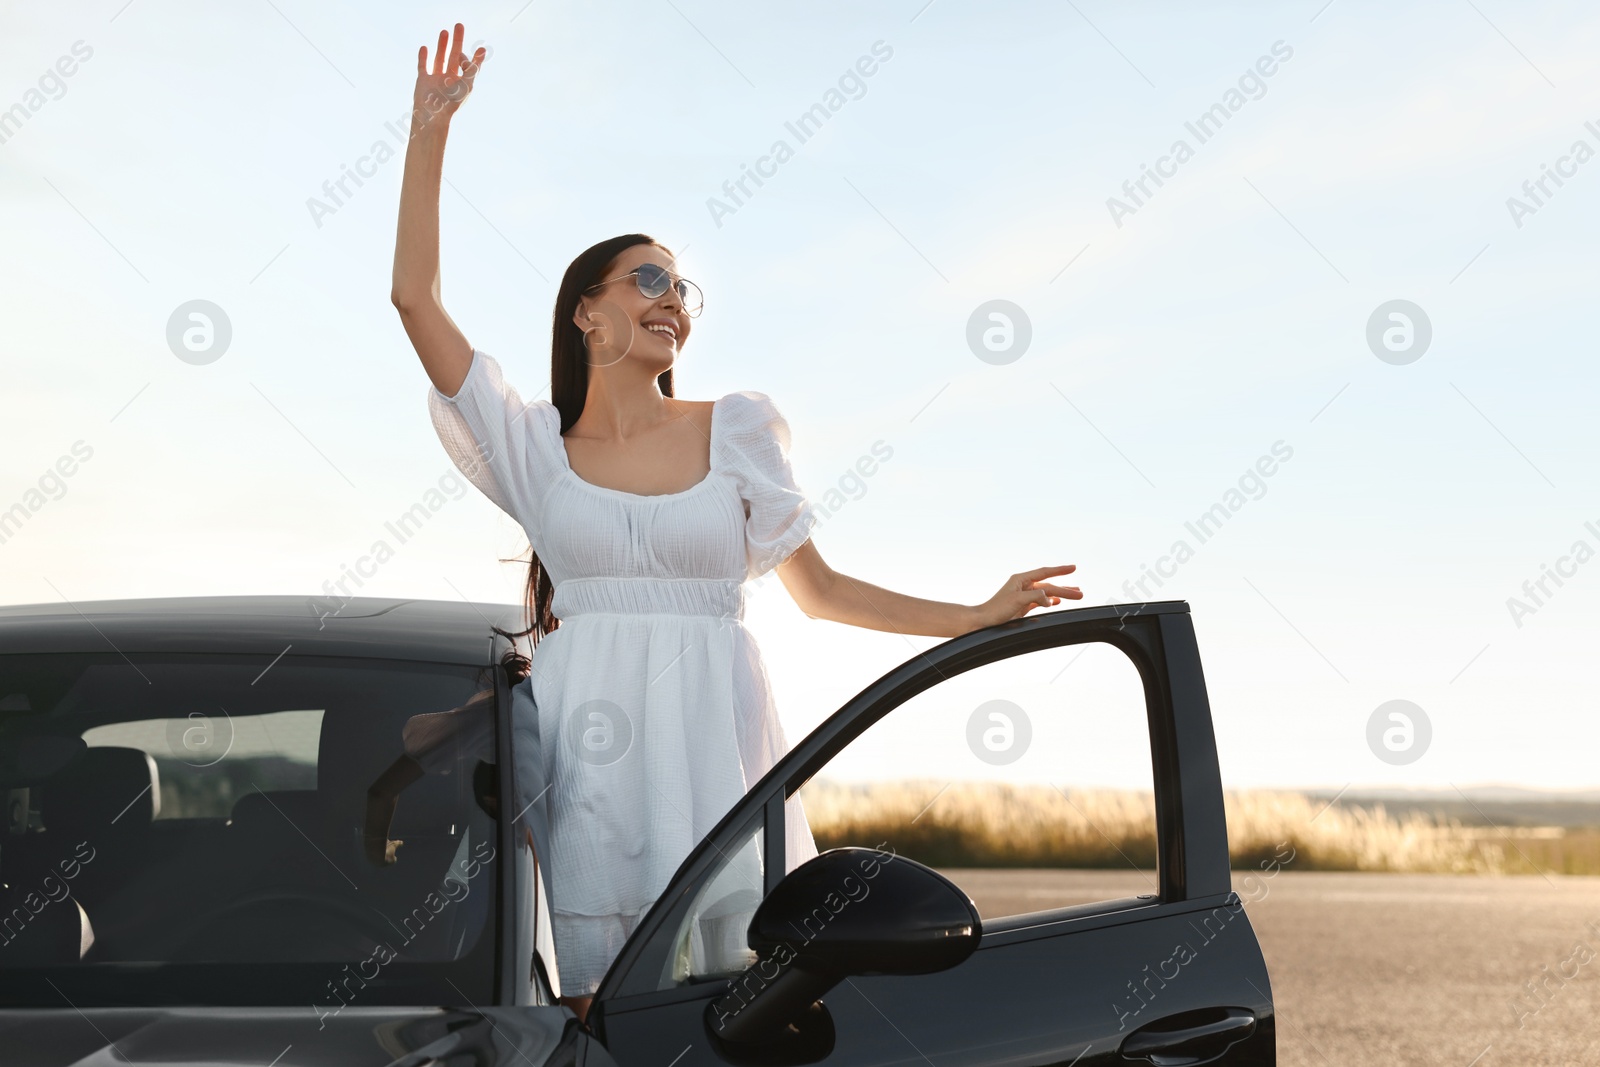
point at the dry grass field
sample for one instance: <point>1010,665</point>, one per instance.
<point>985,824</point>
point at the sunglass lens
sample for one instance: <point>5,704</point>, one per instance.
<point>691,296</point>
<point>652,280</point>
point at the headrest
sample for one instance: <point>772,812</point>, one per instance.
<point>285,809</point>
<point>29,758</point>
<point>106,790</point>
<point>355,749</point>
<point>40,931</point>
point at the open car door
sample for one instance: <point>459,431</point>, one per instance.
<point>865,956</point>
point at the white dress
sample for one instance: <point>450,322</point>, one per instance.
<point>654,708</point>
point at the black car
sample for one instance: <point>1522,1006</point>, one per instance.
<point>199,864</point>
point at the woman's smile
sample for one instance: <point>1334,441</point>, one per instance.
<point>665,327</point>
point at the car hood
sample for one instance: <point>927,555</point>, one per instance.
<point>287,1037</point>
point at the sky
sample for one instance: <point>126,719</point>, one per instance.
<point>1348,320</point>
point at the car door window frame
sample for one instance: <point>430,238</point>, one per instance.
<point>1158,637</point>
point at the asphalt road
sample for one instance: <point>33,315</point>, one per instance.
<point>1396,969</point>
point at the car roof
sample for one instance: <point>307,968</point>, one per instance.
<point>441,631</point>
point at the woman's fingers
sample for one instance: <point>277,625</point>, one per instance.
<point>469,68</point>
<point>1026,590</point>
<point>449,76</point>
<point>1046,595</point>
<point>1046,572</point>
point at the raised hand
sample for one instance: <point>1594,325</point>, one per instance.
<point>1025,591</point>
<point>445,87</point>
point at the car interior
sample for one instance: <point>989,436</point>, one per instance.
<point>104,861</point>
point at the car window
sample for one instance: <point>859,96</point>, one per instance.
<point>223,757</point>
<point>211,814</point>
<point>1028,782</point>
<point>712,940</point>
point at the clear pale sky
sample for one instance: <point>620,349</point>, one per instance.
<point>1171,348</point>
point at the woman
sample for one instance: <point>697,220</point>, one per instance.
<point>645,514</point>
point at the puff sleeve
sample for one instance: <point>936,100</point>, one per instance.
<point>492,437</point>
<point>778,517</point>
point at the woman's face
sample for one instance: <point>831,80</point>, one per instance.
<point>622,323</point>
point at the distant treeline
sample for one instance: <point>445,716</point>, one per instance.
<point>985,824</point>
<point>189,792</point>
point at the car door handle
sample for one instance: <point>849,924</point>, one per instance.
<point>1190,1045</point>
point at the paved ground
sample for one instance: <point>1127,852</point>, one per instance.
<point>1396,969</point>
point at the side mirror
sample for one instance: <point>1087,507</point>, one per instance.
<point>849,911</point>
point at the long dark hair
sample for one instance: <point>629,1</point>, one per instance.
<point>569,388</point>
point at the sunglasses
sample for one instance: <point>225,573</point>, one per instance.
<point>653,281</point>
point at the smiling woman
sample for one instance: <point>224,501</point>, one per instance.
<point>646,516</point>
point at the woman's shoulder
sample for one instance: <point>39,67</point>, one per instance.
<point>748,409</point>
<point>745,396</point>
<point>542,420</point>
<point>537,418</point>
<point>750,427</point>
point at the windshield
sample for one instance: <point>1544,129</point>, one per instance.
<point>232,830</point>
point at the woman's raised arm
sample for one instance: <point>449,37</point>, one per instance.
<point>445,352</point>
